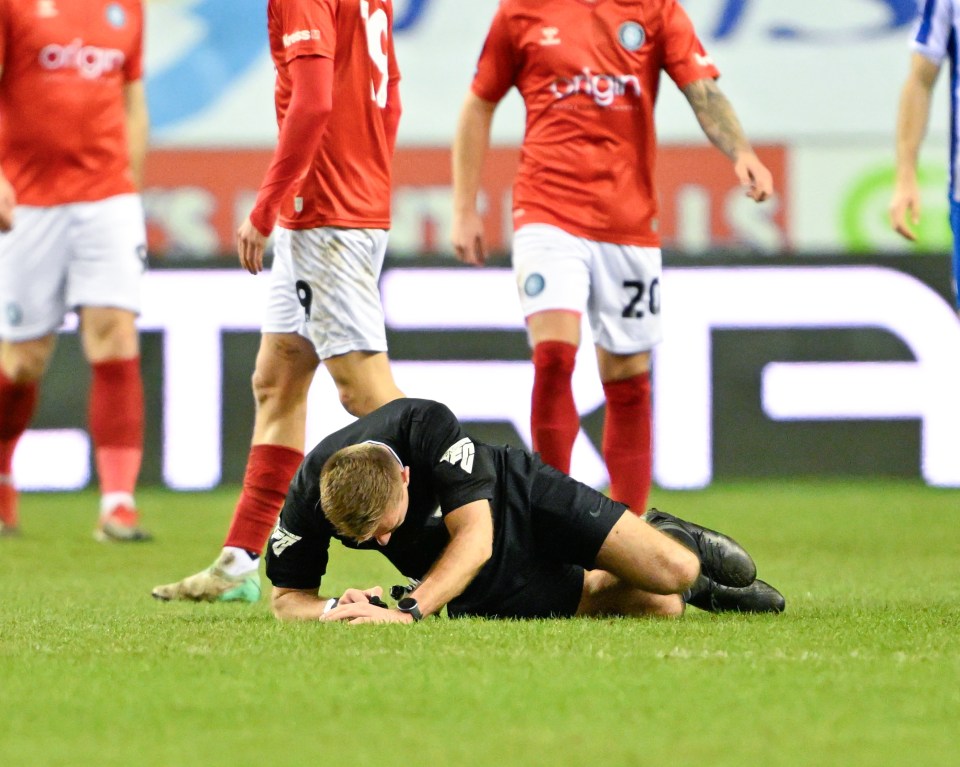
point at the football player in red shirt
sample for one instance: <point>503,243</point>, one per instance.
<point>73,135</point>
<point>584,202</point>
<point>328,189</point>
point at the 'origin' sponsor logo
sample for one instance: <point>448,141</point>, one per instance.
<point>604,89</point>
<point>89,60</point>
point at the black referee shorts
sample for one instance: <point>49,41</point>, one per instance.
<point>560,536</point>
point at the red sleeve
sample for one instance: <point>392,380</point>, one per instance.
<point>133,66</point>
<point>4,29</point>
<point>498,65</point>
<point>309,28</point>
<point>391,114</point>
<point>685,58</point>
<point>311,102</point>
<point>393,109</point>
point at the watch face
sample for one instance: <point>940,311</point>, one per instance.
<point>407,603</point>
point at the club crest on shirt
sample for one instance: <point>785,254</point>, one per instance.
<point>631,36</point>
<point>461,452</point>
<point>116,16</point>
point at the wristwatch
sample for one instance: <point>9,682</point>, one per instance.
<point>409,605</point>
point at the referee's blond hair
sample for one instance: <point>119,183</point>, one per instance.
<point>357,485</point>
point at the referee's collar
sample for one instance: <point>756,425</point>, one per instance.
<point>384,444</point>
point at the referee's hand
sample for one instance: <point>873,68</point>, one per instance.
<point>356,596</point>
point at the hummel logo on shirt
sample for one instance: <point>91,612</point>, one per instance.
<point>703,61</point>
<point>551,36</point>
<point>461,452</point>
<point>281,540</point>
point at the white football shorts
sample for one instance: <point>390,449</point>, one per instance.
<point>617,286</point>
<point>59,258</point>
<point>325,285</point>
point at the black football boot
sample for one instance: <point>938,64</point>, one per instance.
<point>722,559</point>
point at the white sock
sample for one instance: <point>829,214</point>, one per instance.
<point>110,501</point>
<point>240,563</point>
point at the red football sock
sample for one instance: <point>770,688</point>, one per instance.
<point>554,420</point>
<point>18,402</point>
<point>626,440</point>
<point>116,423</point>
<point>269,471</point>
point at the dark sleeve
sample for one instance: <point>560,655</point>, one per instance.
<point>298,550</point>
<point>460,472</point>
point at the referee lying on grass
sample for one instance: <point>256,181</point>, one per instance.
<point>488,531</point>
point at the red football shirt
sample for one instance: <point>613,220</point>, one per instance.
<point>348,184</point>
<point>63,135</point>
<point>588,73</point>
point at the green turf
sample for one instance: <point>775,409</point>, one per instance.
<point>862,669</point>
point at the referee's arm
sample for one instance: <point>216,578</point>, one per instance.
<point>469,549</point>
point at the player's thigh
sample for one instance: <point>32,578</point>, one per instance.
<point>364,378</point>
<point>109,245</point>
<point>646,558</point>
<point>337,274</point>
<point>34,257</point>
<point>624,306</point>
<point>552,272</point>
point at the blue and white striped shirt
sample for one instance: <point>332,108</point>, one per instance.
<point>935,37</point>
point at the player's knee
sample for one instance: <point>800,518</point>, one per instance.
<point>267,386</point>
<point>25,364</point>
<point>684,568</point>
<point>354,399</point>
<point>108,333</point>
<point>666,606</point>
<point>260,384</point>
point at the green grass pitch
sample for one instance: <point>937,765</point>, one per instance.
<point>862,669</point>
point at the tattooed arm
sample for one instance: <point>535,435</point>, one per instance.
<point>720,124</point>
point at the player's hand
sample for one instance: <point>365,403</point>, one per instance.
<point>356,596</point>
<point>467,238</point>
<point>754,176</point>
<point>8,201</point>
<point>250,247</point>
<point>905,210</point>
<point>365,612</point>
